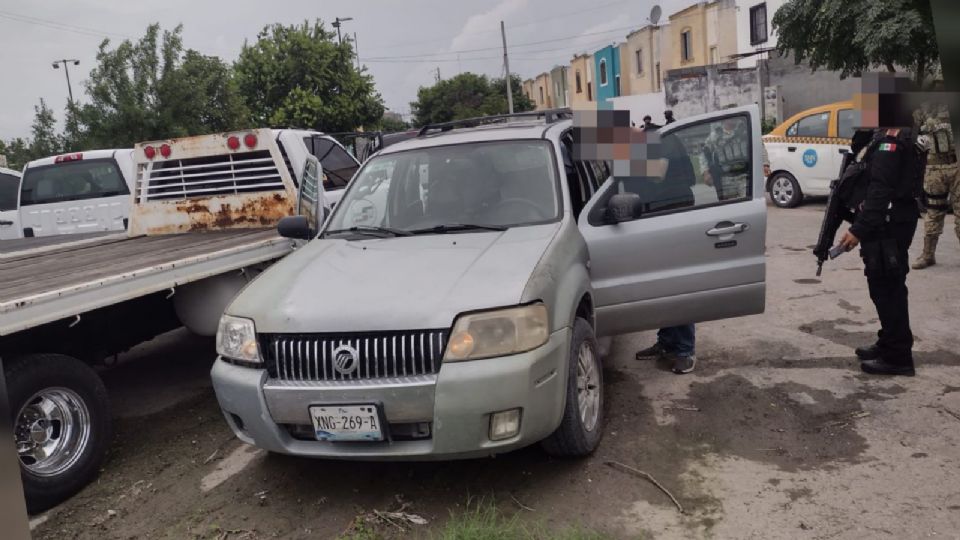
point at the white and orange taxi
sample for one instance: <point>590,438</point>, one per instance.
<point>806,152</point>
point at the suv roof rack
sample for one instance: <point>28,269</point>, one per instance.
<point>549,115</point>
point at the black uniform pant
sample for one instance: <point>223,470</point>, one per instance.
<point>886,266</point>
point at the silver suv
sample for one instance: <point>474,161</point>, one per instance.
<point>450,305</point>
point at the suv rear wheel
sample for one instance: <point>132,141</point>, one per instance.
<point>582,425</point>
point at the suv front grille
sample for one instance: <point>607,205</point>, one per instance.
<point>351,357</point>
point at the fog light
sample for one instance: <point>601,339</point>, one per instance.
<point>504,424</point>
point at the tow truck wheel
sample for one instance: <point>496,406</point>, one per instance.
<point>582,425</point>
<point>61,425</point>
<point>785,190</point>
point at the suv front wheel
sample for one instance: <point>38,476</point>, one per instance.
<point>582,424</point>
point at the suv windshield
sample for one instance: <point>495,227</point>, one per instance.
<point>493,185</point>
<point>72,181</point>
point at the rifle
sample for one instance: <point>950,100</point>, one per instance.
<point>834,216</point>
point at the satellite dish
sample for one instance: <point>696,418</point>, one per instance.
<point>655,14</point>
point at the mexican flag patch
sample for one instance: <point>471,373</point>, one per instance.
<point>888,147</point>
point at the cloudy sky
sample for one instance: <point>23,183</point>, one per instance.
<point>402,43</point>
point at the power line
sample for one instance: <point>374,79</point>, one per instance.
<point>539,20</point>
<point>29,19</point>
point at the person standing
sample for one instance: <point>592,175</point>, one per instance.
<point>941,181</point>
<point>668,117</point>
<point>885,220</point>
<point>648,124</point>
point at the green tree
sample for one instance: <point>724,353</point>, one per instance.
<point>300,76</point>
<point>467,95</point>
<point>154,89</point>
<point>390,125</point>
<point>46,141</point>
<point>853,36</point>
<point>17,152</point>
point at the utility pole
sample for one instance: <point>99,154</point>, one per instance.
<point>438,73</point>
<point>506,67</point>
<point>66,70</point>
<point>336,24</point>
<point>356,50</point>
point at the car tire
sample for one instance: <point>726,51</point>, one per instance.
<point>784,190</point>
<point>76,425</point>
<point>581,428</point>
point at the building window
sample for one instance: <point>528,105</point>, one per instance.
<point>686,46</point>
<point>541,95</point>
<point>758,24</point>
<point>616,90</point>
<point>658,76</point>
<point>579,84</point>
<point>589,91</point>
<point>639,54</point>
<point>714,56</point>
<point>603,72</point>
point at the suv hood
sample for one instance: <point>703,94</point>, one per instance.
<point>416,282</point>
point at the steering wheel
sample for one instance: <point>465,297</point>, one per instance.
<point>516,201</point>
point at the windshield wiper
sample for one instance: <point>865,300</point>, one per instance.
<point>373,231</point>
<point>457,227</point>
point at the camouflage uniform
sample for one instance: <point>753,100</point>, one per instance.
<point>724,154</point>
<point>941,181</point>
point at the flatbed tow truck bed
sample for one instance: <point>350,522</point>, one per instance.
<point>53,282</point>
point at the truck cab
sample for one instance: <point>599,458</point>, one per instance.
<point>80,192</point>
<point>9,212</point>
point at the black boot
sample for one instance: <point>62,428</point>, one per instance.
<point>882,367</point>
<point>870,352</point>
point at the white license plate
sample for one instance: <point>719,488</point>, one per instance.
<point>346,422</point>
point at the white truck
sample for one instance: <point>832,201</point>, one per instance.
<point>202,221</point>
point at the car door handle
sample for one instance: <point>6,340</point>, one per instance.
<point>791,149</point>
<point>725,227</point>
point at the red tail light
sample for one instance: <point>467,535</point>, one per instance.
<point>165,150</point>
<point>233,142</point>
<point>150,152</point>
<point>250,140</point>
<point>68,157</point>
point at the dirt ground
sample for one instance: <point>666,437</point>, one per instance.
<point>776,435</point>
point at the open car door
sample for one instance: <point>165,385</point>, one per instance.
<point>690,246</point>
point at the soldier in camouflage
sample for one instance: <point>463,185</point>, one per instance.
<point>941,181</point>
<point>724,153</point>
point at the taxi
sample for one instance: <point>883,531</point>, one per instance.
<point>806,152</point>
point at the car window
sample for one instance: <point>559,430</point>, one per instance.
<point>845,123</point>
<point>699,164</point>
<point>338,165</point>
<point>9,186</point>
<point>814,125</point>
<point>504,184</point>
<point>72,181</point>
<point>309,192</point>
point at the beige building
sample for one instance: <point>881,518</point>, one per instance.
<point>645,57</point>
<point>543,91</point>
<point>528,90</point>
<point>580,81</point>
<point>703,34</point>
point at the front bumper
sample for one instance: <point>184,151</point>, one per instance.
<point>456,403</point>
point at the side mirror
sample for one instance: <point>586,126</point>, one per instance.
<point>623,207</point>
<point>296,227</point>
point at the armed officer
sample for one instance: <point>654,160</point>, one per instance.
<point>885,219</point>
<point>941,180</point>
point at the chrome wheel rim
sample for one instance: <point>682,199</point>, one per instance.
<point>52,431</point>
<point>588,387</point>
<point>782,190</point>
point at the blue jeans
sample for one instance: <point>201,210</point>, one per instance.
<point>679,340</point>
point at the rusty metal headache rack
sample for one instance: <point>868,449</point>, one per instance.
<point>549,115</point>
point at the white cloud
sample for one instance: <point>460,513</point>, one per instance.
<point>485,24</point>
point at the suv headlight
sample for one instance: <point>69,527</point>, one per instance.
<point>237,339</point>
<point>497,333</point>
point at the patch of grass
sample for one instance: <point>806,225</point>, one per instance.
<point>485,522</point>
